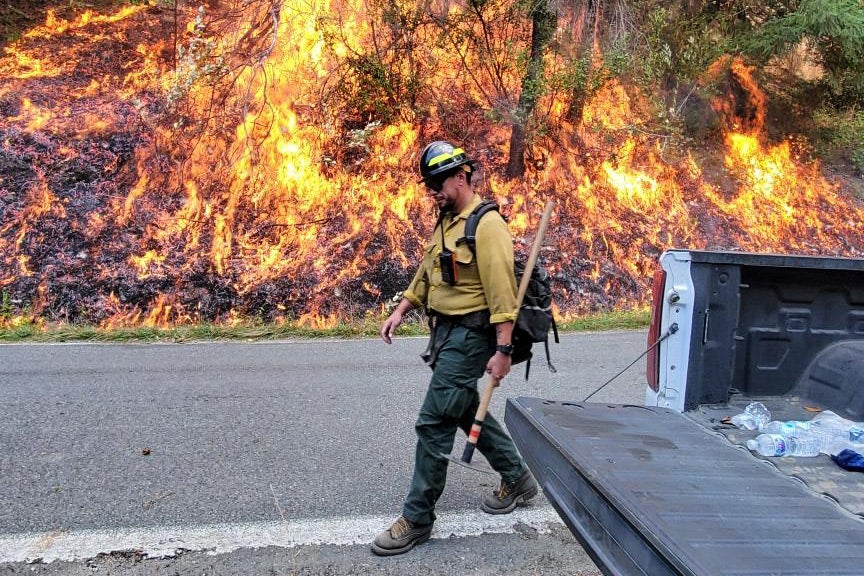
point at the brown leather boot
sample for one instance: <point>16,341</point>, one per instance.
<point>505,499</point>
<point>401,537</point>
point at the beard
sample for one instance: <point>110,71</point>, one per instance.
<point>445,204</point>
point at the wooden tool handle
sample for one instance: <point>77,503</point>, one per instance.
<point>523,287</point>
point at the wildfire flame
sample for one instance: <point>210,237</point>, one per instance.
<point>131,194</point>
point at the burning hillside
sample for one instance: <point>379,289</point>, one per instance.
<point>146,184</point>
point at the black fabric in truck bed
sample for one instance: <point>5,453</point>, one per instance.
<point>648,491</point>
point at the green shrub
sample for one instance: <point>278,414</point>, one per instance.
<point>6,310</point>
<point>840,135</point>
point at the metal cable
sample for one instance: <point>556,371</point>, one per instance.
<point>672,330</point>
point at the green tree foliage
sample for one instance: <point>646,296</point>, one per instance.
<point>380,80</point>
<point>832,29</point>
<point>675,44</point>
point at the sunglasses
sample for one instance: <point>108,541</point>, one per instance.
<point>434,184</point>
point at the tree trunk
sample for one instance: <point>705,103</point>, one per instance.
<point>585,42</point>
<point>543,23</point>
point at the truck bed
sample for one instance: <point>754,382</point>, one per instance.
<point>650,491</point>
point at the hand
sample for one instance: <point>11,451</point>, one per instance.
<point>498,367</point>
<point>389,327</point>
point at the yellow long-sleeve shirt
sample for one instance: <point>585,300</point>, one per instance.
<point>486,281</point>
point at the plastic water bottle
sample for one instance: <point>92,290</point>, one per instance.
<point>759,412</point>
<point>856,439</point>
<point>852,440</point>
<point>768,444</point>
<point>786,429</point>
<point>754,417</point>
<point>828,420</point>
<point>804,444</point>
<point>833,431</point>
<point>777,445</point>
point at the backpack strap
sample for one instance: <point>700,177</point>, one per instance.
<point>557,341</point>
<point>548,358</point>
<point>470,237</point>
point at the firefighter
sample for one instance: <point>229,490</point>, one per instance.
<point>471,303</point>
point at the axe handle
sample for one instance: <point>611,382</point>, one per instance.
<point>480,416</point>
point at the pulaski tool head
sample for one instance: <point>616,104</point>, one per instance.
<point>467,464</point>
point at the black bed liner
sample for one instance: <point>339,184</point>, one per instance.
<point>650,492</point>
<point>820,473</point>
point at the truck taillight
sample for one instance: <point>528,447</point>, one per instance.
<point>653,369</point>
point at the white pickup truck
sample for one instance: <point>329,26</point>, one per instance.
<point>669,487</point>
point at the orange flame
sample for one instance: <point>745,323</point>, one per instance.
<point>226,187</point>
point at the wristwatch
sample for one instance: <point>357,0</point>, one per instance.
<point>506,349</point>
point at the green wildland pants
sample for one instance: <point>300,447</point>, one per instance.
<point>451,402</point>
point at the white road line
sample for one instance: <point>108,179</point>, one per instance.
<point>162,541</point>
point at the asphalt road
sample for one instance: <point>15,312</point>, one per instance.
<point>314,437</point>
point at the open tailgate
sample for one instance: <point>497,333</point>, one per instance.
<point>649,492</point>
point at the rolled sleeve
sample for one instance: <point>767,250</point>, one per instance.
<point>495,264</point>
